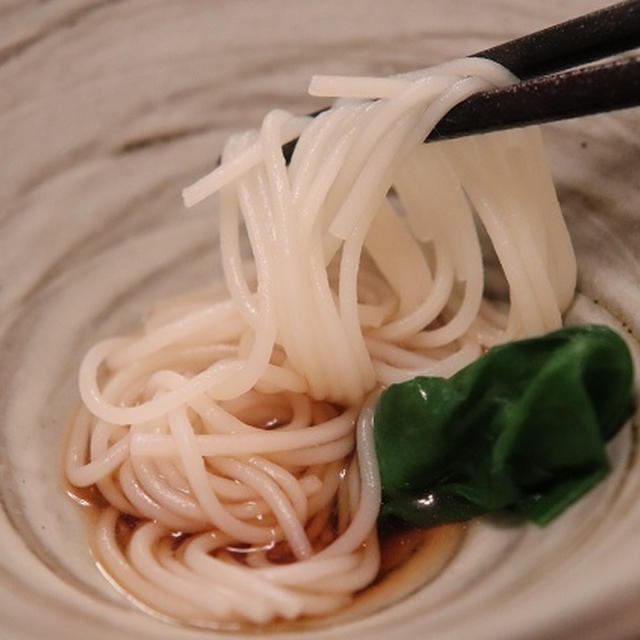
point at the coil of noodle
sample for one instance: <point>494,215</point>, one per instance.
<point>228,430</point>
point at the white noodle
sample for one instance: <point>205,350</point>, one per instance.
<point>235,421</point>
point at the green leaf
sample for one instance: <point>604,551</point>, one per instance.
<point>523,427</point>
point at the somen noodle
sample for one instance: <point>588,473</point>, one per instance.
<point>234,434</point>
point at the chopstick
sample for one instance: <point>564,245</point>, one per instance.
<point>593,36</point>
<point>543,98</point>
<point>559,96</point>
<point>580,92</point>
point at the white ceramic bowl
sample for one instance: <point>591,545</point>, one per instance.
<point>106,111</point>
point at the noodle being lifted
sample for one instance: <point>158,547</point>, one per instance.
<point>227,431</point>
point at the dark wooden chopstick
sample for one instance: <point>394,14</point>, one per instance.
<point>594,36</point>
<point>559,96</point>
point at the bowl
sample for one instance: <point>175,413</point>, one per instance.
<point>107,111</point>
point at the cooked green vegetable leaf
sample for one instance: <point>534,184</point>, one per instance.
<point>522,427</point>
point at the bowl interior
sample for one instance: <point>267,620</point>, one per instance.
<point>111,110</point>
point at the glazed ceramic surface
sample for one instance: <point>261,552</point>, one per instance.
<point>107,109</point>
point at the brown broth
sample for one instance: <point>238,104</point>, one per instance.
<point>409,559</point>
<point>125,526</point>
<point>89,498</point>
